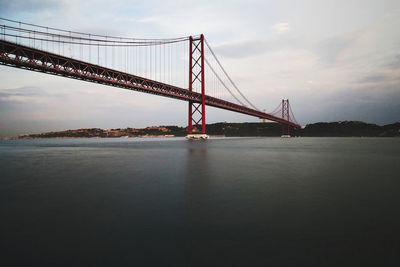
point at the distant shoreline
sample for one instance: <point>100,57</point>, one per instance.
<point>321,129</point>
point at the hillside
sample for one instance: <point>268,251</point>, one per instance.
<point>350,128</point>
<point>321,129</point>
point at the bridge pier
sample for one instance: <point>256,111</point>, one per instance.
<point>197,136</point>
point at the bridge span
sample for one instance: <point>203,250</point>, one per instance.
<point>20,54</point>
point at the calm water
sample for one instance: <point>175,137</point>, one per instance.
<point>223,202</point>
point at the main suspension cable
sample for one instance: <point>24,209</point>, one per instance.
<point>219,78</point>
<point>96,35</point>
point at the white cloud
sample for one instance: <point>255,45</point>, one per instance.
<point>281,27</point>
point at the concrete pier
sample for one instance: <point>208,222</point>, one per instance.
<point>197,136</point>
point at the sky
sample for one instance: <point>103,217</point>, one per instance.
<point>334,60</point>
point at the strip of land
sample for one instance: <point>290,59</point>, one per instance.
<point>321,129</point>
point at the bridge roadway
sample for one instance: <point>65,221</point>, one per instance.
<point>19,56</point>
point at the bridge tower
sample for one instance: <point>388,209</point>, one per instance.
<point>285,116</point>
<point>197,110</point>
<point>264,120</point>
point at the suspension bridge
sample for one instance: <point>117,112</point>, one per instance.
<point>174,68</point>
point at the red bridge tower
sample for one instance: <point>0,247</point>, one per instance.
<point>197,111</point>
<point>285,116</point>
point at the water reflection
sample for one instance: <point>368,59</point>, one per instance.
<point>197,173</point>
<point>227,202</point>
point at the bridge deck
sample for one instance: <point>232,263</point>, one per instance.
<point>24,57</point>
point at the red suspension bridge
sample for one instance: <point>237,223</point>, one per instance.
<point>174,68</point>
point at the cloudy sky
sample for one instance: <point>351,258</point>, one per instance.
<point>335,60</point>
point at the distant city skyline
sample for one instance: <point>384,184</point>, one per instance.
<point>334,60</point>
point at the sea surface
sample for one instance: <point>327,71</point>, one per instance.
<point>220,202</point>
